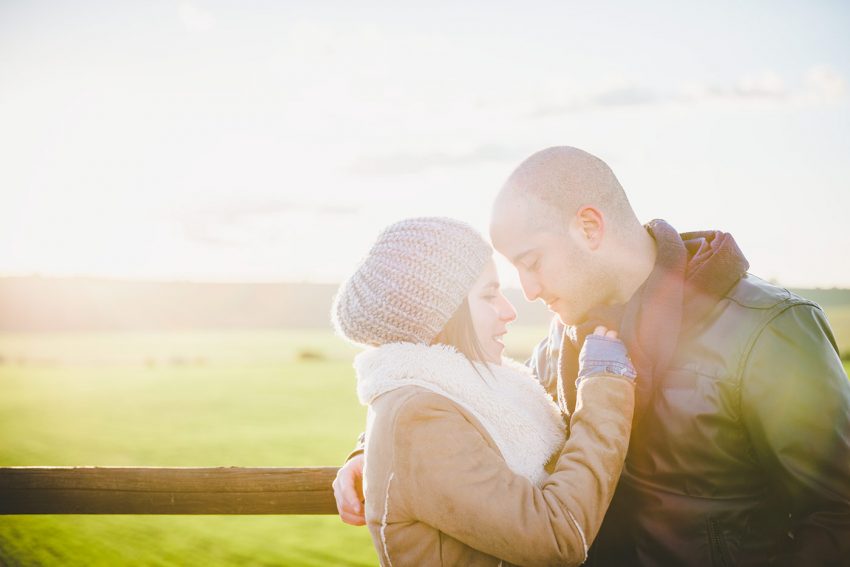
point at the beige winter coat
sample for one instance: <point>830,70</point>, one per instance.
<point>454,471</point>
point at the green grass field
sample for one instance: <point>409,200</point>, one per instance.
<point>282,414</point>
<point>185,399</point>
<point>839,320</point>
<point>181,399</point>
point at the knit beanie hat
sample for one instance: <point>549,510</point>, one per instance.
<point>412,281</point>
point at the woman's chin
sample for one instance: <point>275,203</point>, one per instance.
<point>494,354</point>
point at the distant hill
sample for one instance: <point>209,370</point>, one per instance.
<point>90,304</point>
<point>35,304</point>
<point>826,298</point>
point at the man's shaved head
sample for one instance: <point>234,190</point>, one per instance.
<point>565,223</point>
<point>563,179</point>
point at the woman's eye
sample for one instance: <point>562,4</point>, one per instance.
<point>533,267</point>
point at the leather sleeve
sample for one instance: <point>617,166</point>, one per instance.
<point>544,358</point>
<point>359,448</point>
<point>448,476</point>
<point>796,407</point>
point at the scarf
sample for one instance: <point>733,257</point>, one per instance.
<point>692,272</point>
<point>507,400</point>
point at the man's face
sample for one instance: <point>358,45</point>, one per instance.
<point>552,262</point>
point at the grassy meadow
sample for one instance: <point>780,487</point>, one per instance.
<point>275,398</point>
<point>265,398</point>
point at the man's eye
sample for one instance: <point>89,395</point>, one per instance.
<point>534,265</point>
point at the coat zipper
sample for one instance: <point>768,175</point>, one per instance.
<point>717,544</point>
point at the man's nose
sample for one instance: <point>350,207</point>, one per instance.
<point>530,287</point>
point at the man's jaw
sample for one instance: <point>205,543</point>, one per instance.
<point>551,304</point>
<point>556,306</point>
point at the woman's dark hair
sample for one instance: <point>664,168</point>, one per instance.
<point>459,332</point>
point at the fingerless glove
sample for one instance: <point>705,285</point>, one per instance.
<point>604,355</point>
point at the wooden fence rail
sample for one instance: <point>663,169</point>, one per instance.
<point>154,490</point>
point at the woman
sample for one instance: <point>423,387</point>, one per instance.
<point>458,438</point>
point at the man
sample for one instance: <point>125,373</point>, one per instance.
<point>740,449</point>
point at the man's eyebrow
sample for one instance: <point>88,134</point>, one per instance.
<point>521,255</point>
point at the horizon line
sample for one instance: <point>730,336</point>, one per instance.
<point>213,281</point>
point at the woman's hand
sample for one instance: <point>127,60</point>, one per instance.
<point>604,353</point>
<point>605,332</point>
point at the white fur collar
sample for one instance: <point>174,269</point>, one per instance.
<point>510,403</point>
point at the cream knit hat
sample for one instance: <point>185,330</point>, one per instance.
<point>412,281</point>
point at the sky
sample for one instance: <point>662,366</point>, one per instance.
<point>271,141</point>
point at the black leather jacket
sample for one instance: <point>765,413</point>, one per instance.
<point>743,455</point>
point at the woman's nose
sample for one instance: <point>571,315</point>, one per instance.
<point>508,311</point>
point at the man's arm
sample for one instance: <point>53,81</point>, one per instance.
<point>544,358</point>
<point>359,448</point>
<point>796,407</point>
<point>348,486</point>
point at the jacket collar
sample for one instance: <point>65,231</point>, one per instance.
<point>507,400</point>
<point>693,271</point>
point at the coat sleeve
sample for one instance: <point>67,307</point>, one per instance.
<point>796,407</point>
<point>451,478</point>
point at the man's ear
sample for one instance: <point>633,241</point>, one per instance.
<point>591,226</point>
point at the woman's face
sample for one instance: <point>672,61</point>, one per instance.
<point>491,312</point>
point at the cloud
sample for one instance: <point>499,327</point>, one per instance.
<point>821,84</point>
<point>408,163</point>
<point>250,222</point>
<point>194,17</point>
<point>767,84</point>
<point>826,83</point>
<point>234,213</point>
<point>629,95</point>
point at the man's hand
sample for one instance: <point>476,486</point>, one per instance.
<point>348,491</point>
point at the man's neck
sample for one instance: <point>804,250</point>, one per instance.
<point>636,265</point>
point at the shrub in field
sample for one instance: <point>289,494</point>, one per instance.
<point>309,355</point>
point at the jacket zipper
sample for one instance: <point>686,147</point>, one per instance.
<point>721,558</point>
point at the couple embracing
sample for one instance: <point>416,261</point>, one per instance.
<point>680,412</point>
